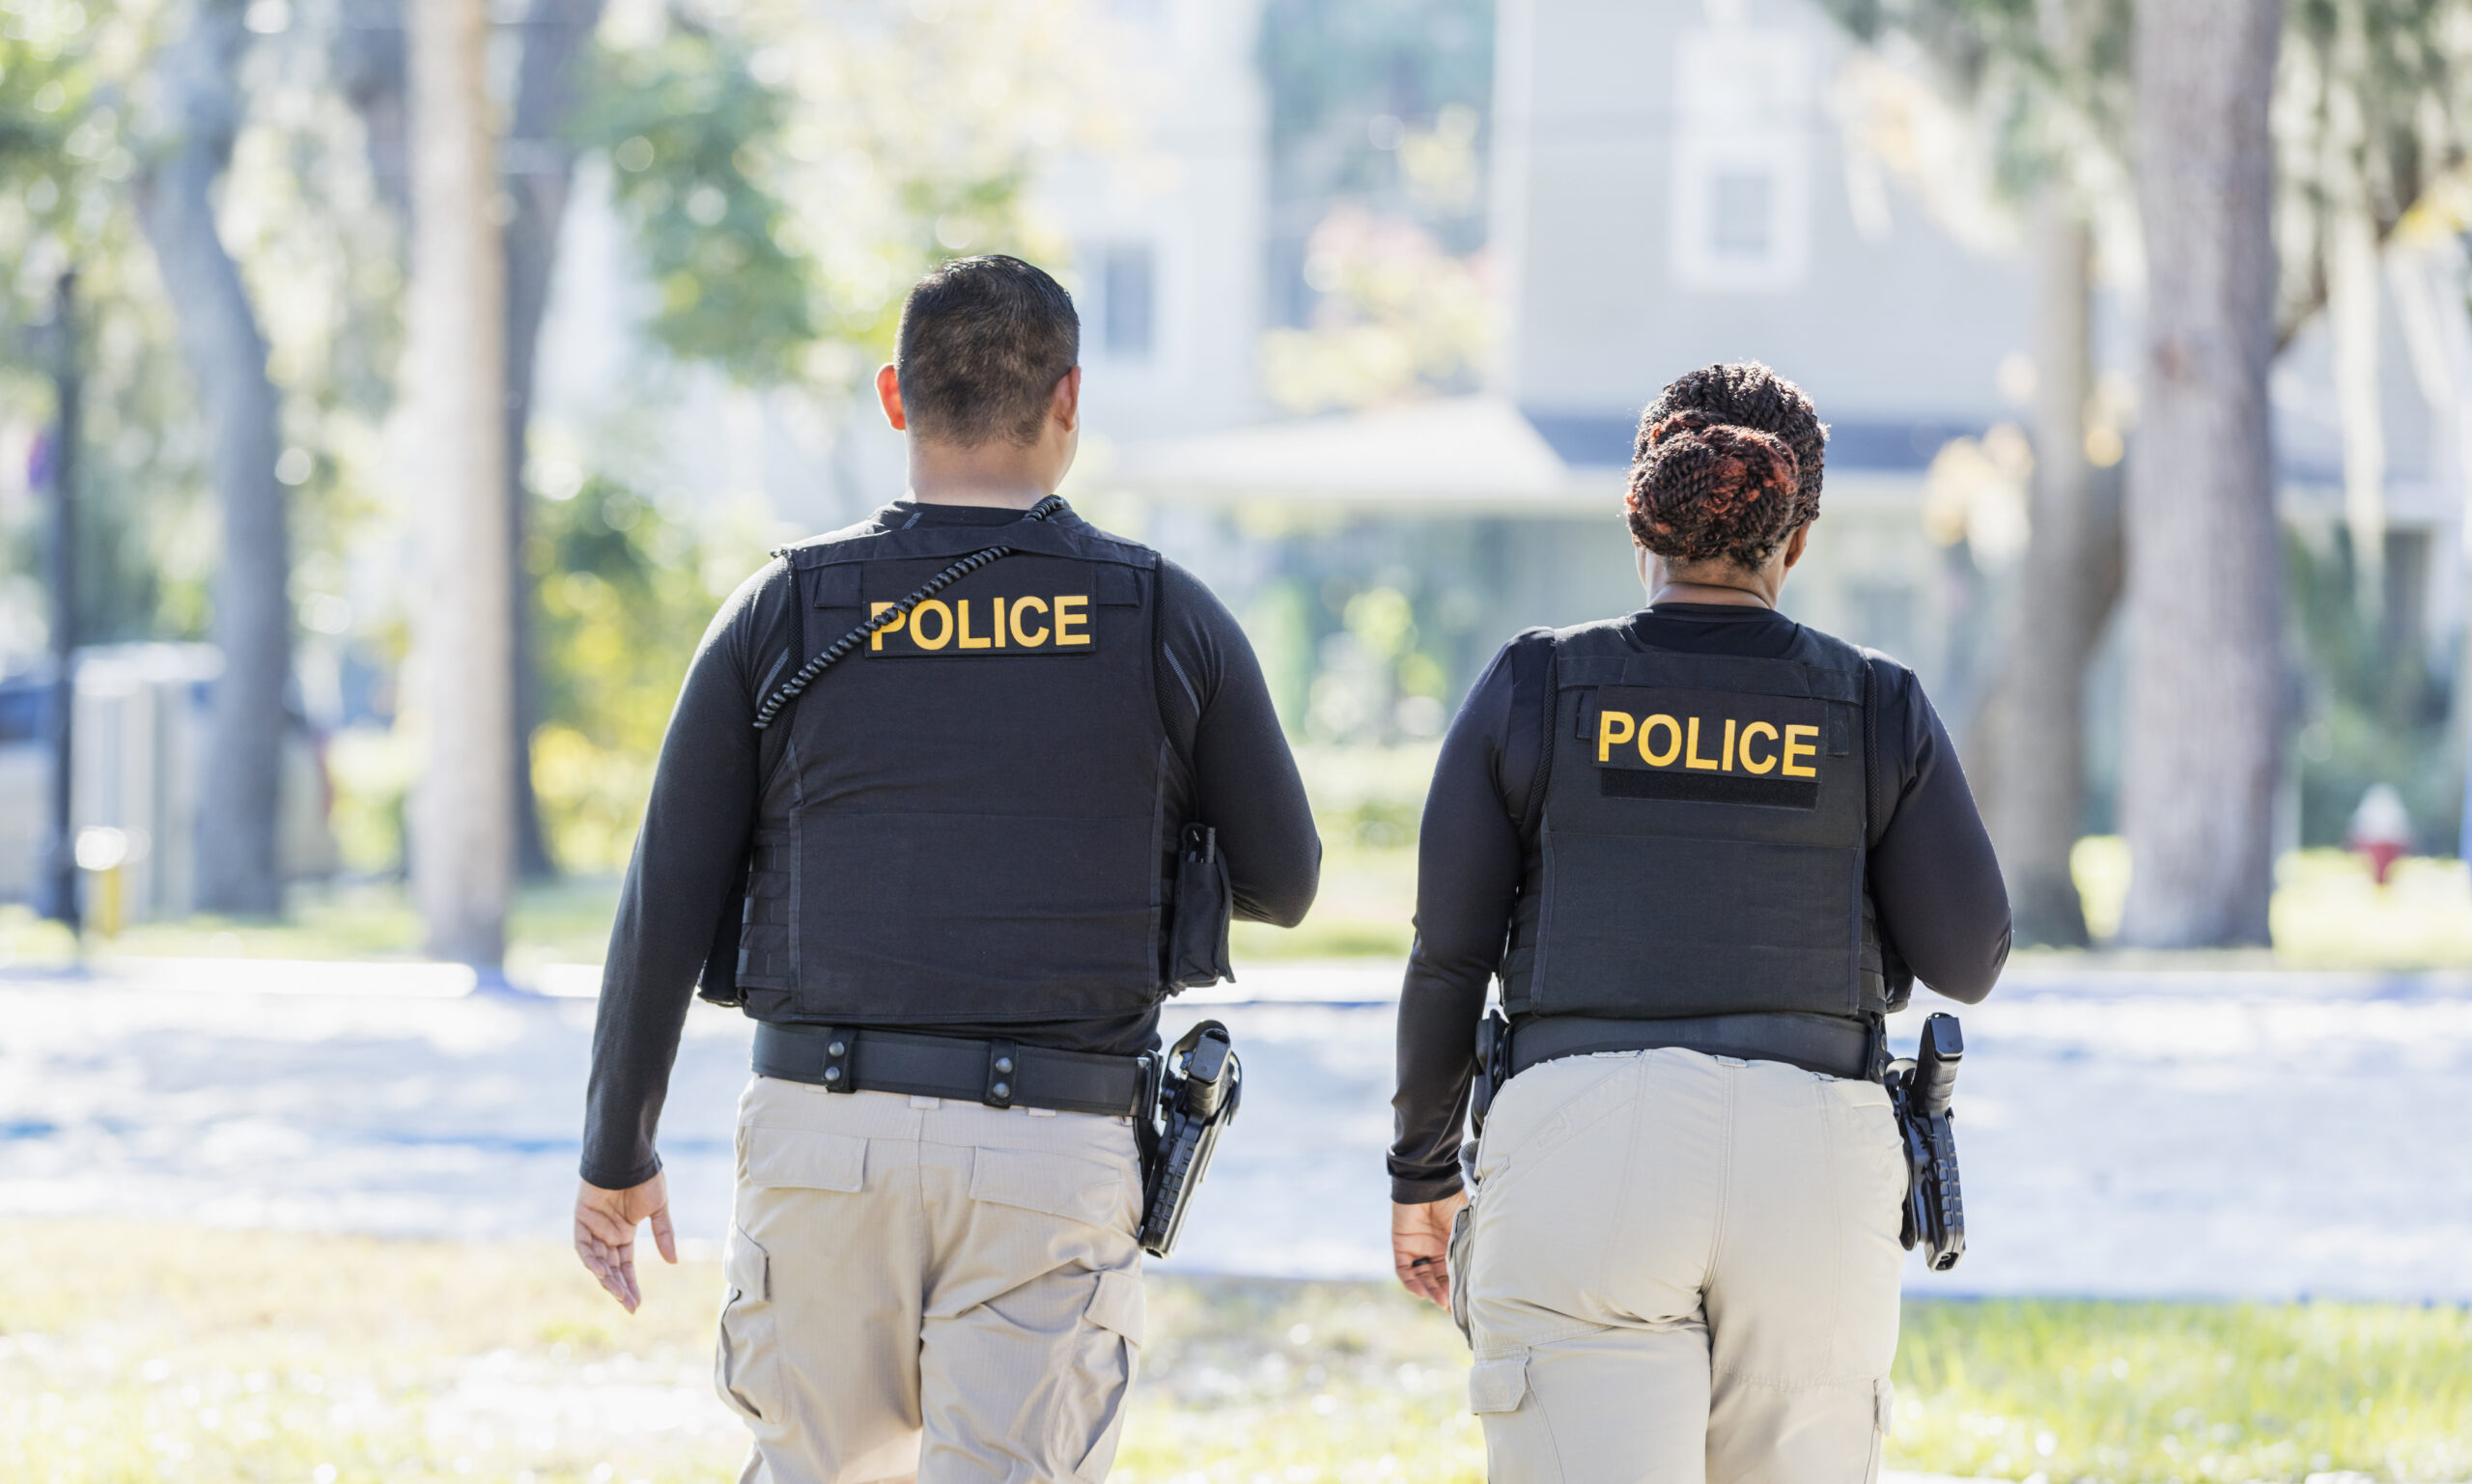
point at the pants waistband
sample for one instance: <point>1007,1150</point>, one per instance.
<point>1001,1074</point>
<point>1815,1043</point>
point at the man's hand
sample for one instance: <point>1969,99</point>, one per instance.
<point>606,1233</point>
<point>1420,1245</point>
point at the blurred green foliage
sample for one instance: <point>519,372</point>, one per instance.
<point>72,147</point>
<point>692,133</point>
<point>44,88</point>
<point>65,164</point>
<point>2050,83</point>
<point>623,591</point>
<point>2372,108</point>
<point>1371,629</point>
<point>1333,70</point>
<point>2376,696</point>
<point>1377,179</point>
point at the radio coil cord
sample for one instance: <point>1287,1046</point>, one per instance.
<point>788,690</point>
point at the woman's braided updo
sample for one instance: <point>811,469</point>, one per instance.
<point>1728,465</point>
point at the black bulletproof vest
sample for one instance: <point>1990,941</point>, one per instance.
<point>967,819</point>
<point>1700,846</point>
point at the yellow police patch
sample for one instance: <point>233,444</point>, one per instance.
<point>1711,746</point>
<point>1022,607</point>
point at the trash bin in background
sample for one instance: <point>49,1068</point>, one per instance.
<point>138,747</point>
<point>25,766</point>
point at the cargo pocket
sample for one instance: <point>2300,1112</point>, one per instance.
<point>1520,1448</point>
<point>1455,1265</point>
<point>1883,1422</point>
<point>748,1354</point>
<point>1111,1333</point>
<point>1498,1385</point>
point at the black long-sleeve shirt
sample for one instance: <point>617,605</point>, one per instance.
<point>1933,880</point>
<point>1242,780</point>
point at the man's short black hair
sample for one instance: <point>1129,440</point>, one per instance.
<point>983,343</point>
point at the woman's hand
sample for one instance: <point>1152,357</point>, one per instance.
<point>1420,1245</point>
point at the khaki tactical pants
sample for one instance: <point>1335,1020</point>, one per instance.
<point>1680,1267</point>
<point>945,1291</point>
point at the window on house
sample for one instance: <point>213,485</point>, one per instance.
<point>1740,213</point>
<point>1127,301</point>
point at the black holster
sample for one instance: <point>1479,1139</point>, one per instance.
<point>1921,1091</point>
<point>1199,1085</point>
<point>1493,1067</point>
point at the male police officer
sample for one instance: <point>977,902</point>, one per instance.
<point>954,849</point>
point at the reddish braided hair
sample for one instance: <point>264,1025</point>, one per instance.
<point>1728,465</point>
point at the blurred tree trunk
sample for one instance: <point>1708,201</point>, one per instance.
<point>540,165</point>
<point>369,70</point>
<point>462,857</point>
<point>2070,579</point>
<point>226,351</point>
<point>2206,709</point>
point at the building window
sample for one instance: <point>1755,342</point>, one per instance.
<point>1740,215</point>
<point>1128,296</point>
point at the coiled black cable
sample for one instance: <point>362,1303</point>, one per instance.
<point>788,690</point>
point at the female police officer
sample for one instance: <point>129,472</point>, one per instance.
<point>1705,848</point>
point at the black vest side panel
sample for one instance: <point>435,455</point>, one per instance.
<point>966,825</point>
<point>1702,843</point>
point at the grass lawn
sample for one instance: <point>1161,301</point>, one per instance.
<point>565,922</point>
<point>2327,914</point>
<point>133,1353</point>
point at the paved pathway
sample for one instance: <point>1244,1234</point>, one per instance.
<point>2123,1133</point>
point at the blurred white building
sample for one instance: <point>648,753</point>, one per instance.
<point>1673,183</point>
<point>1670,188</point>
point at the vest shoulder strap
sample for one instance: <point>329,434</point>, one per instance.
<point>1533,658</point>
<point>785,640</point>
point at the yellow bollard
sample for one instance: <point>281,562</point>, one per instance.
<point>107,901</point>
<point>103,851</point>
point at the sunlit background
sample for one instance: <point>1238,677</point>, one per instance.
<point>1372,292</point>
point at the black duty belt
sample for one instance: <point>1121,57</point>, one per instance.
<point>1815,1043</point>
<point>1000,1074</point>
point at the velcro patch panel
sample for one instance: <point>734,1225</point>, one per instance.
<point>1022,608</point>
<point>1709,746</point>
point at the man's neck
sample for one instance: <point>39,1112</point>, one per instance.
<point>996,497</point>
<point>997,473</point>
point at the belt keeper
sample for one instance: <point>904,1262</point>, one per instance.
<point>837,1046</point>
<point>1146,1084</point>
<point>1004,1074</point>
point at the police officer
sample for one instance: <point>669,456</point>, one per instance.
<point>1705,848</point>
<point>937,878</point>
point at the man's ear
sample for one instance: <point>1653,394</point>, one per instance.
<point>889,392</point>
<point>1066,405</point>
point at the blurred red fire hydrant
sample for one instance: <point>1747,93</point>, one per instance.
<point>2381,829</point>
